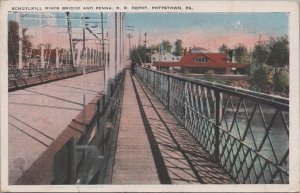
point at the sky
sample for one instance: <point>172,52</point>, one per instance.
<point>208,30</point>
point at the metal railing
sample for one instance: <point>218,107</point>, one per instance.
<point>86,160</point>
<point>15,73</point>
<point>245,132</point>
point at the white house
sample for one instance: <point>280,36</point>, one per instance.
<point>164,56</point>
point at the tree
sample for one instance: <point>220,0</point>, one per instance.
<point>260,53</point>
<point>13,43</point>
<point>166,45</point>
<point>281,81</point>
<point>279,52</point>
<point>261,78</point>
<point>139,55</point>
<point>241,54</point>
<point>223,48</point>
<point>154,47</point>
<point>178,47</point>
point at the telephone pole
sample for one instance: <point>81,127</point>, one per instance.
<point>19,19</point>
<point>129,37</point>
<point>103,44</point>
<point>145,42</point>
<point>70,40</point>
<point>139,43</point>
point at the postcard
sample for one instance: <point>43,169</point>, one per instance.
<point>149,96</point>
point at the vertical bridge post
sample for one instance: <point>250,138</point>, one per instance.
<point>168,93</point>
<point>217,125</point>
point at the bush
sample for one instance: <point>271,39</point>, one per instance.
<point>261,78</point>
<point>209,75</point>
<point>281,81</point>
<point>185,71</point>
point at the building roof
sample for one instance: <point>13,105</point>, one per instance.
<point>199,48</point>
<point>215,60</point>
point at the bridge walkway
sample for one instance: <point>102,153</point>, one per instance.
<point>154,148</point>
<point>39,116</point>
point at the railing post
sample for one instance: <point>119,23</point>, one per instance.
<point>98,115</point>
<point>185,101</point>
<point>217,125</point>
<point>154,83</point>
<point>168,94</point>
<point>147,78</point>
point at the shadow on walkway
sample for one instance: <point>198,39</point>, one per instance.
<point>184,159</point>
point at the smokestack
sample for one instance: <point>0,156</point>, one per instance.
<point>230,55</point>
<point>190,50</point>
<point>185,51</point>
<point>226,52</point>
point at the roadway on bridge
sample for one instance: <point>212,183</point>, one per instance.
<point>37,115</point>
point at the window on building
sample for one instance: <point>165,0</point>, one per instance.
<point>165,58</point>
<point>153,58</point>
<point>201,59</point>
<point>172,58</point>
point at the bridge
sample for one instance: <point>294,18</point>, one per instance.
<point>100,122</point>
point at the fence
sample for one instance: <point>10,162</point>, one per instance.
<point>22,78</point>
<point>86,161</point>
<point>245,132</point>
<point>15,74</point>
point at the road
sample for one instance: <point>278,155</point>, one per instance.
<point>37,115</point>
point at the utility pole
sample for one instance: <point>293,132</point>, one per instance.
<point>139,43</point>
<point>103,44</point>
<point>103,48</point>
<point>83,34</point>
<point>145,42</point>
<point>129,37</point>
<point>20,64</point>
<point>84,66</point>
<point>70,40</point>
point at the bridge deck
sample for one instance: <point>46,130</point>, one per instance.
<point>39,114</point>
<point>134,162</point>
<point>177,157</point>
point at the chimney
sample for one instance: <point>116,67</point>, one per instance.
<point>226,52</point>
<point>230,55</point>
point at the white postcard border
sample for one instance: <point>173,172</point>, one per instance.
<point>198,6</point>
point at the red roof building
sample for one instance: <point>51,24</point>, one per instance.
<point>201,62</point>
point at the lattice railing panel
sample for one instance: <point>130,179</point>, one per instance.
<point>246,132</point>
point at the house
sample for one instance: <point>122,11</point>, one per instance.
<point>164,56</point>
<point>200,63</point>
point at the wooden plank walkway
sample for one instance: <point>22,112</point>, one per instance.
<point>134,162</point>
<point>177,156</point>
